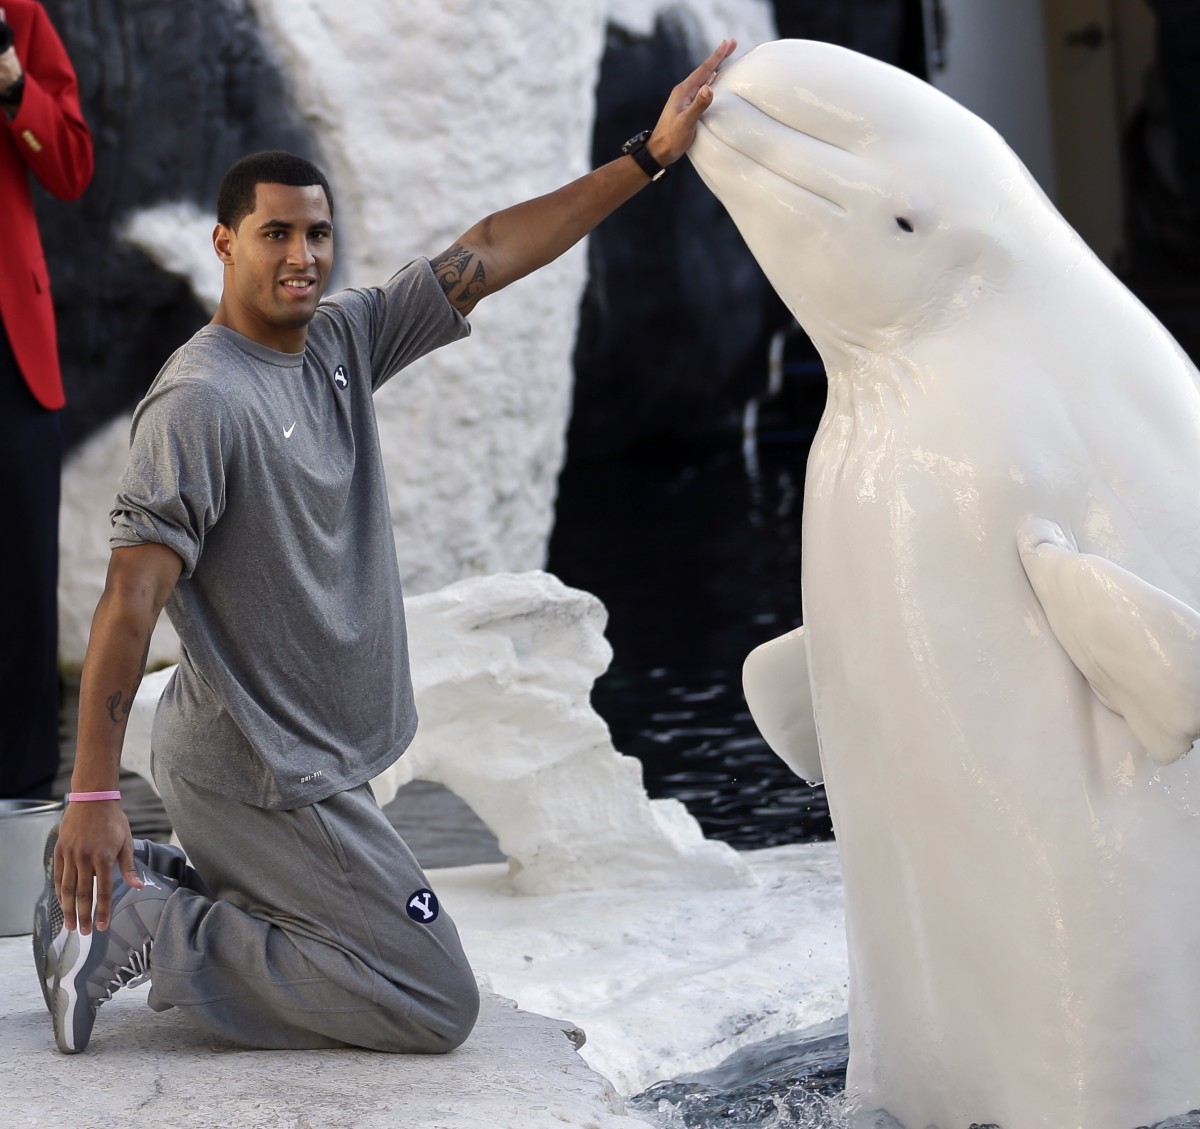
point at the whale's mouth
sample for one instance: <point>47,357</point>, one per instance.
<point>773,138</point>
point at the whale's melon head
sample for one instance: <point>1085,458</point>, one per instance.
<point>878,207</point>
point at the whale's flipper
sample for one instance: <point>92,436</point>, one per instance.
<point>1138,646</point>
<point>775,681</point>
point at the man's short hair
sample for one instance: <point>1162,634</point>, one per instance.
<point>239,186</point>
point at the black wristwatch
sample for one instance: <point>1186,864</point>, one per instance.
<point>635,147</point>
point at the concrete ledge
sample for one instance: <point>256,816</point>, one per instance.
<point>517,1071</point>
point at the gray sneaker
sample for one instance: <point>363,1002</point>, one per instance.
<point>171,862</point>
<point>91,968</point>
<point>49,936</point>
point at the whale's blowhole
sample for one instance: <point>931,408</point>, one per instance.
<point>903,224</point>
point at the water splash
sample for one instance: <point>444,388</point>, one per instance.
<point>798,1109</point>
<point>796,1080</point>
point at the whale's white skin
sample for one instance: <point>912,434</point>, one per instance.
<point>1001,575</point>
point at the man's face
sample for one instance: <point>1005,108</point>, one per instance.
<point>278,262</point>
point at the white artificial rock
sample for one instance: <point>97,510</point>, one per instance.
<point>178,237</point>
<point>503,668</point>
<point>428,116</point>
<point>667,980</point>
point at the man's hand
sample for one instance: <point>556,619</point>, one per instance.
<point>10,65</point>
<point>676,127</point>
<point>92,837</point>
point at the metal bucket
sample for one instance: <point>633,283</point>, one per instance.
<point>24,825</point>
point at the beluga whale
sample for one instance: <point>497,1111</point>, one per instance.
<point>998,676</point>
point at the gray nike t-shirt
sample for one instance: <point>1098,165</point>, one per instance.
<point>262,470</point>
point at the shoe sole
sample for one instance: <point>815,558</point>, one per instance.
<point>72,1007</point>
<point>49,933</point>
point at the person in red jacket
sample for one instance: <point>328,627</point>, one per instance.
<point>42,132</point>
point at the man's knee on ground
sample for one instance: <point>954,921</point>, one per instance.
<point>456,1020</point>
<point>430,1024</point>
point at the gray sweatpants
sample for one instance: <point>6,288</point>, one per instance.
<point>321,930</point>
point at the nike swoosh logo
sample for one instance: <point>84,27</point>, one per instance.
<point>288,433</point>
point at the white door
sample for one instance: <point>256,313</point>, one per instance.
<point>1081,37</point>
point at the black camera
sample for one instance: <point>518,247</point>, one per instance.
<point>6,37</point>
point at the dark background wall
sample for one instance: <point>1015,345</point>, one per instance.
<point>676,320</point>
<point>173,94</point>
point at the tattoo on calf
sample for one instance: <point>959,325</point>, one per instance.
<point>460,274</point>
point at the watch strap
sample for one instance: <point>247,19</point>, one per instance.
<point>635,147</point>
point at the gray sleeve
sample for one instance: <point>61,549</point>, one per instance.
<point>173,488</point>
<point>405,318</point>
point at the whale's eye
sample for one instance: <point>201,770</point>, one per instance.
<point>903,224</point>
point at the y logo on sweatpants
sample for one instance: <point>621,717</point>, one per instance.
<point>422,907</point>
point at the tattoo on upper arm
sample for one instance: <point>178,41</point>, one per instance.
<point>461,275</point>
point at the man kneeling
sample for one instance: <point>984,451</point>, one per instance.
<point>254,509</point>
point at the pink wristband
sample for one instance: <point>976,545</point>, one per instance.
<point>76,797</point>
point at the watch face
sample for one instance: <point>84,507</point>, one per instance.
<point>636,140</point>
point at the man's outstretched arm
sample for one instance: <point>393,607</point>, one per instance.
<point>510,244</point>
<point>94,835</point>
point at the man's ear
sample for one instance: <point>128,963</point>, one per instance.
<point>223,240</point>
